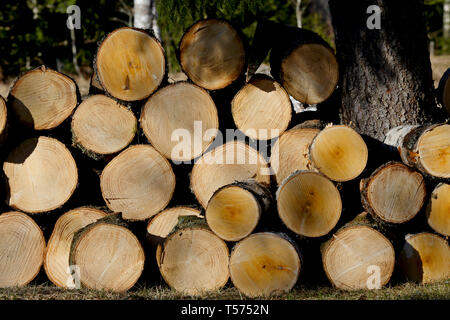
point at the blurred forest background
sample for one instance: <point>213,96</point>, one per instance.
<point>34,32</point>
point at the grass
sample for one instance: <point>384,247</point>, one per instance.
<point>405,291</point>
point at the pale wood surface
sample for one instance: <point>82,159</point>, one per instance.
<point>309,204</point>
<point>213,171</point>
<point>310,73</point>
<point>264,264</point>
<point>261,107</point>
<point>212,54</point>
<point>174,109</point>
<point>56,261</point>
<point>22,246</point>
<point>195,261</point>
<point>43,98</point>
<point>350,254</point>
<point>42,175</point>
<point>103,126</point>
<point>110,257</point>
<point>139,182</point>
<point>130,64</point>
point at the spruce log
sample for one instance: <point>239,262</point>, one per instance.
<point>180,111</point>
<point>290,152</point>
<point>444,91</point>
<point>234,210</point>
<point>356,252</point>
<point>130,64</point>
<point>41,175</point>
<point>304,64</point>
<point>139,182</point>
<point>22,246</point>
<point>264,264</point>
<point>309,204</point>
<point>425,147</point>
<point>194,261</point>
<point>425,258</point>
<point>394,193</point>
<point>56,260</point>
<point>230,162</point>
<point>339,152</point>
<point>212,54</point>
<point>109,256</point>
<point>162,224</point>
<point>262,108</point>
<point>3,120</point>
<point>438,209</point>
<point>42,98</point>
<point>101,126</point>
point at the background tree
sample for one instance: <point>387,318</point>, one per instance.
<point>385,74</point>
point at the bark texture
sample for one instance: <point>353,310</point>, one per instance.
<point>386,75</point>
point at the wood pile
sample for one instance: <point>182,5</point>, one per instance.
<point>140,180</point>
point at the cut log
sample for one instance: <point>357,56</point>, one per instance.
<point>130,64</point>
<point>262,108</point>
<point>264,264</point>
<point>304,64</point>
<point>181,111</point>
<point>444,91</point>
<point>42,98</point>
<point>194,261</point>
<point>358,257</point>
<point>425,258</point>
<point>109,256</point>
<point>438,209</point>
<point>101,126</point>
<point>139,182</point>
<point>309,204</point>
<point>425,147</point>
<point>339,153</point>
<point>22,246</point>
<point>164,223</point>
<point>41,175</point>
<point>233,212</point>
<point>56,261</point>
<point>3,120</point>
<point>212,54</point>
<point>290,153</point>
<point>230,162</point>
<point>394,193</point>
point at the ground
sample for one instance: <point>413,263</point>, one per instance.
<point>405,291</point>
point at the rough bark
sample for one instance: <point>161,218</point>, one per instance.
<point>386,73</point>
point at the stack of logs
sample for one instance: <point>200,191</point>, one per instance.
<point>137,176</point>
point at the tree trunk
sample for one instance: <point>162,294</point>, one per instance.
<point>438,209</point>
<point>386,76</point>
<point>142,14</point>
<point>446,19</point>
